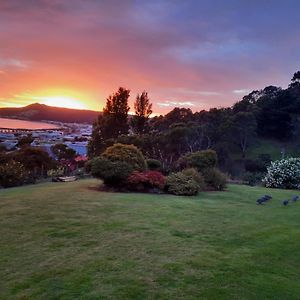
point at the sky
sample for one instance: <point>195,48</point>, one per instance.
<point>192,53</point>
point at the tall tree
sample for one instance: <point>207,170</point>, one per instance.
<point>115,114</point>
<point>143,110</point>
<point>112,123</point>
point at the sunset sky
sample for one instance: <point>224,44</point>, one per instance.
<point>196,54</point>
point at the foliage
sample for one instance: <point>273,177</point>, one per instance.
<point>242,130</point>
<point>181,184</point>
<point>113,173</point>
<point>143,110</point>
<point>12,173</point>
<point>62,151</point>
<point>192,172</point>
<point>112,123</point>
<point>215,179</point>
<point>126,153</point>
<point>115,113</point>
<point>2,148</point>
<point>34,159</point>
<point>200,160</point>
<point>25,140</point>
<point>253,178</point>
<point>255,166</point>
<point>96,144</point>
<point>143,181</point>
<point>56,172</point>
<point>284,173</point>
<point>153,164</point>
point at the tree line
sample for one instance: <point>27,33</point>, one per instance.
<point>272,112</point>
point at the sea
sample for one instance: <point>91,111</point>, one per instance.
<point>21,124</point>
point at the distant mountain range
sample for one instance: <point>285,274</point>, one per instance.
<point>40,112</point>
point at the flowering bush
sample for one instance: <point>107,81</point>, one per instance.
<point>284,173</point>
<point>142,181</point>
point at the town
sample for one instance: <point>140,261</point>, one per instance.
<point>73,135</point>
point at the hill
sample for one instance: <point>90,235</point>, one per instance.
<point>94,245</point>
<point>39,112</point>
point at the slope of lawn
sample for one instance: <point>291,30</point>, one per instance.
<point>70,241</point>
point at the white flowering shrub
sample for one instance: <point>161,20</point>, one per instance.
<point>284,173</point>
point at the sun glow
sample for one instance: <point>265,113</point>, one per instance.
<point>56,97</point>
<point>62,101</point>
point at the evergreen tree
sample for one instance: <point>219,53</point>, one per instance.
<point>143,110</point>
<point>112,122</point>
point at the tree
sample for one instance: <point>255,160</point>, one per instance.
<point>25,141</point>
<point>115,114</point>
<point>62,151</point>
<point>243,130</point>
<point>35,160</point>
<point>96,144</point>
<point>295,82</point>
<point>111,123</point>
<point>143,110</point>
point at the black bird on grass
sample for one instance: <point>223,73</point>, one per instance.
<point>295,198</point>
<point>267,197</point>
<point>285,202</point>
<point>263,199</point>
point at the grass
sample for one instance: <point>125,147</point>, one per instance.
<point>70,241</point>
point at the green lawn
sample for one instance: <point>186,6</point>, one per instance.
<point>70,241</point>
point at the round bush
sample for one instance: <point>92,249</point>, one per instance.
<point>215,179</point>
<point>181,184</point>
<point>112,173</point>
<point>153,164</point>
<point>200,160</point>
<point>126,153</point>
<point>193,173</point>
<point>12,173</point>
<point>284,173</point>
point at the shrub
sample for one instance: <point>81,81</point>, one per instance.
<point>253,178</point>
<point>181,184</point>
<point>112,173</point>
<point>153,164</point>
<point>12,173</point>
<point>284,173</point>
<point>192,172</point>
<point>56,172</point>
<point>215,179</point>
<point>143,181</point>
<point>129,154</point>
<point>255,166</point>
<point>200,160</point>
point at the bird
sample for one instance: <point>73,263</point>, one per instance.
<point>267,197</point>
<point>261,200</point>
<point>295,198</point>
<point>285,202</point>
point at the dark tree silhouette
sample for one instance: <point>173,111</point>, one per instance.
<point>143,110</point>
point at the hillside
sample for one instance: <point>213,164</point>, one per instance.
<point>94,245</point>
<point>39,112</point>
